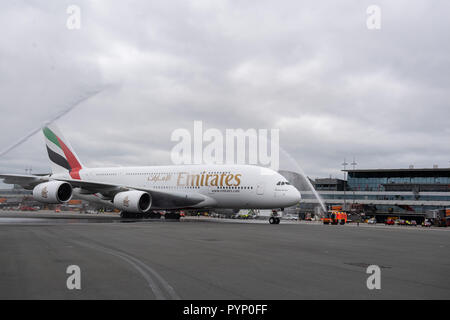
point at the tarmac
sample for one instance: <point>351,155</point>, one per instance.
<point>207,258</point>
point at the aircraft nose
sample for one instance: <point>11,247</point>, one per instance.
<point>294,196</point>
<point>297,195</point>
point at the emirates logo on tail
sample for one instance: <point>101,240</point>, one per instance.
<point>44,192</point>
<point>61,153</point>
<point>126,201</point>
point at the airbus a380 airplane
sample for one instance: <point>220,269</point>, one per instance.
<point>140,190</point>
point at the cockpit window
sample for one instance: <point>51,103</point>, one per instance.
<point>282,183</point>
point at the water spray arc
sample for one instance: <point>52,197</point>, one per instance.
<point>300,171</point>
<point>77,102</point>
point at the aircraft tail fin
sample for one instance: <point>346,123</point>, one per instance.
<point>62,157</point>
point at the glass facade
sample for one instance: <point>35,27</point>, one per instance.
<point>381,180</point>
<point>386,191</point>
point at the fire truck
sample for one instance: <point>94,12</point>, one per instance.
<point>335,217</point>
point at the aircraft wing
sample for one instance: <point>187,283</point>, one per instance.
<point>26,181</point>
<point>160,199</point>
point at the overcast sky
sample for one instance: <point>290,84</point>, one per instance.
<point>312,69</point>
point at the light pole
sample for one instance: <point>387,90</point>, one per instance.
<point>354,164</point>
<point>345,164</point>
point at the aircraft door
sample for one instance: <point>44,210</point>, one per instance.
<point>260,188</point>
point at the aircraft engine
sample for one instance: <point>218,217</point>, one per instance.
<point>53,192</point>
<point>133,201</point>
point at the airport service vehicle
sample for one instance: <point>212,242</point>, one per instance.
<point>335,217</point>
<point>390,222</point>
<point>372,221</point>
<point>140,191</point>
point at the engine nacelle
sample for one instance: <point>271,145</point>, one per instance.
<point>133,201</point>
<point>53,192</point>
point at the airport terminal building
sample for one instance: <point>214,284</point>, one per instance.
<point>407,193</point>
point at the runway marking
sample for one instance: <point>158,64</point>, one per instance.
<point>141,268</point>
<point>147,272</point>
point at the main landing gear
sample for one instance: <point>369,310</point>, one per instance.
<point>130,215</point>
<point>153,215</point>
<point>146,215</point>
<point>169,215</point>
<point>172,215</point>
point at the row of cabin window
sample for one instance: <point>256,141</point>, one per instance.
<point>153,173</point>
<point>195,187</point>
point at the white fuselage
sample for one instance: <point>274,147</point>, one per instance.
<point>224,186</point>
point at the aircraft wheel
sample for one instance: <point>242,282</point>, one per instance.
<point>272,220</point>
<point>155,215</point>
<point>172,216</point>
<point>277,220</point>
<point>127,215</point>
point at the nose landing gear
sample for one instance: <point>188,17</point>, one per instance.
<point>274,219</point>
